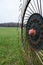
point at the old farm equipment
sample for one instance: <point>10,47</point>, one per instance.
<point>32,30</point>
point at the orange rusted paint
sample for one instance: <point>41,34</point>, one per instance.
<point>32,32</point>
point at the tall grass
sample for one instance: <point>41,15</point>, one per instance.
<point>11,52</point>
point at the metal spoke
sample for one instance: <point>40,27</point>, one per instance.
<point>26,16</point>
<point>29,12</point>
<point>25,19</point>
<point>35,4</point>
<point>38,6</point>
<point>32,6</point>
<point>39,57</point>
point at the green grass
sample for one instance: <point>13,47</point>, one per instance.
<point>11,52</point>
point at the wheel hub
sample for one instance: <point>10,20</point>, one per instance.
<point>34,32</point>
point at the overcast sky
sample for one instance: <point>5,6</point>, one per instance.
<point>9,10</point>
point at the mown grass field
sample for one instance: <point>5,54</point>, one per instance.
<point>11,52</point>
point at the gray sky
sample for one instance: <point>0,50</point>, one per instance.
<point>9,10</point>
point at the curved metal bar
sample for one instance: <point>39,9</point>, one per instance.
<point>23,19</point>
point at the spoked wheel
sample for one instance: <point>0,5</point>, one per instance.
<point>32,31</point>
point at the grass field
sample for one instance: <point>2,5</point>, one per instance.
<point>11,52</point>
